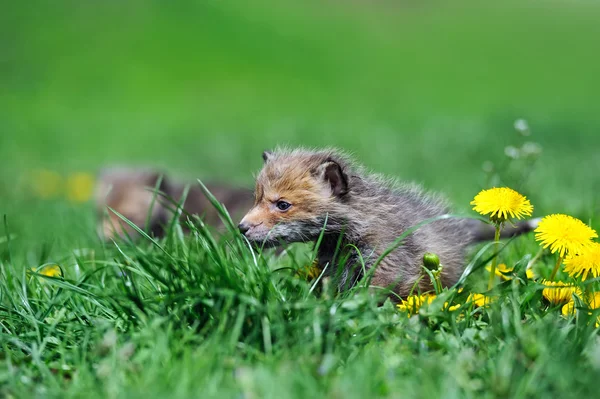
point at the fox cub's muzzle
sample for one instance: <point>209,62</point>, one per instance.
<point>244,228</point>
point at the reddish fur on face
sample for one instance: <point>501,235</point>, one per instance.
<point>302,198</point>
<point>294,181</point>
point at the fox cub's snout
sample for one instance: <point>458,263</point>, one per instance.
<point>293,195</point>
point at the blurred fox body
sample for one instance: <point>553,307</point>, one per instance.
<point>131,192</point>
<point>300,192</point>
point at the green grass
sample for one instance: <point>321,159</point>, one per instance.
<point>425,92</point>
<point>184,316</point>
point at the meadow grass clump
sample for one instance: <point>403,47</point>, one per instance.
<point>216,290</point>
<point>208,313</point>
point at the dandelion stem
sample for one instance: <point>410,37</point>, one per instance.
<point>558,263</point>
<point>495,260</point>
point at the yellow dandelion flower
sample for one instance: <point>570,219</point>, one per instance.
<point>531,274</point>
<point>564,234</point>
<point>558,292</point>
<point>568,309</point>
<point>80,187</point>
<point>451,308</point>
<point>501,271</point>
<point>48,270</point>
<point>480,300</point>
<point>587,262</point>
<point>51,271</point>
<point>310,272</point>
<point>594,303</point>
<point>593,300</point>
<point>501,204</point>
<point>46,183</point>
<point>413,303</point>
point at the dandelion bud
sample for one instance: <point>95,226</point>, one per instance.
<point>431,261</point>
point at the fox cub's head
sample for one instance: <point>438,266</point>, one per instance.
<point>295,191</point>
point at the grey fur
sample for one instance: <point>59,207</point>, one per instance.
<point>368,217</point>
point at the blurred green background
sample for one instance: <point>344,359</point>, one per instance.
<point>424,91</point>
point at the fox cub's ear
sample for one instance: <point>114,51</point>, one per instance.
<point>267,156</point>
<point>333,174</point>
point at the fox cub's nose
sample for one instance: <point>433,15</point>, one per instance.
<point>244,227</point>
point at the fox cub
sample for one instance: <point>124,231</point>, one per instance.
<point>301,193</point>
<point>131,192</point>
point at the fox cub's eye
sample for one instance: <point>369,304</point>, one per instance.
<point>283,206</point>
